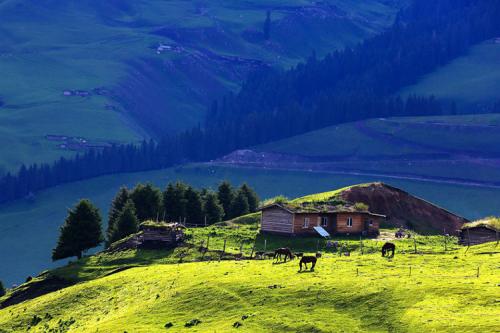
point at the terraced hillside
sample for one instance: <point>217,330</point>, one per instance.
<point>442,291</point>
<point>96,72</point>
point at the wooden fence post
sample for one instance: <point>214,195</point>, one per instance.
<point>253,249</point>
<point>415,244</point>
<point>265,245</point>
<point>224,248</point>
<point>410,270</point>
<point>477,275</point>
<point>361,244</point>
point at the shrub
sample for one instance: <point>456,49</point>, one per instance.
<point>361,206</point>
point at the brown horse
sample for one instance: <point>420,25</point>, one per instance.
<point>309,259</point>
<point>388,247</point>
<point>283,251</point>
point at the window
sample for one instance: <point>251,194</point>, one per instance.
<point>306,223</point>
<point>370,223</point>
<point>349,222</point>
<point>324,221</point>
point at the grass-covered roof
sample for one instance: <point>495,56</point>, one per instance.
<point>489,222</point>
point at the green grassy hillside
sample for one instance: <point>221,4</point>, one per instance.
<point>38,221</point>
<point>48,48</point>
<point>440,292</point>
<point>470,80</point>
<point>456,147</point>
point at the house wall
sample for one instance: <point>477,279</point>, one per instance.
<point>275,219</point>
<point>279,220</point>
<point>478,235</point>
<point>298,223</point>
<point>358,223</point>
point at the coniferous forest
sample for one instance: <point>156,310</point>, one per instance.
<point>347,85</point>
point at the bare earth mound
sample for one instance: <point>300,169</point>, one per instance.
<point>402,208</point>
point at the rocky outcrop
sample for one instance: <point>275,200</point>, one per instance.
<point>404,209</point>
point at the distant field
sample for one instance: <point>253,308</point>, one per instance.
<point>28,230</point>
<point>81,45</point>
<point>471,79</point>
<point>397,136</point>
<point>453,291</point>
<point>460,147</point>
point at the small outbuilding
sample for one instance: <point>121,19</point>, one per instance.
<point>300,219</point>
<point>482,231</point>
<point>152,235</point>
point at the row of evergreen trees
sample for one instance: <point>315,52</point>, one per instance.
<point>82,229</point>
<point>178,202</point>
<point>348,85</point>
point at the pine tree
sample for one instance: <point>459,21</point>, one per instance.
<point>252,197</point>
<point>2,289</point>
<point>147,200</point>
<point>267,26</point>
<point>240,205</point>
<point>80,232</point>
<point>115,210</point>
<point>174,201</point>
<point>213,209</point>
<point>194,206</point>
<point>126,223</point>
<point>225,194</point>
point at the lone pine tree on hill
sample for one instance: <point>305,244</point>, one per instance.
<point>80,232</point>
<point>115,210</point>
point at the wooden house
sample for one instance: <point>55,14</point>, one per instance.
<point>478,232</point>
<point>285,218</point>
<point>152,235</point>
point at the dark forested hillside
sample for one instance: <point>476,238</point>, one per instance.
<point>357,83</point>
<point>347,85</point>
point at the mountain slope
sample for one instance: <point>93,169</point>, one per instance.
<point>155,59</point>
<point>472,80</point>
<point>39,218</point>
<point>380,297</point>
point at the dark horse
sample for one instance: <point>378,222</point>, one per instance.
<point>283,251</point>
<point>309,259</point>
<point>388,247</point>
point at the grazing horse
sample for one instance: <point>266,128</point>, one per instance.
<point>309,259</point>
<point>283,251</point>
<point>388,247</point>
